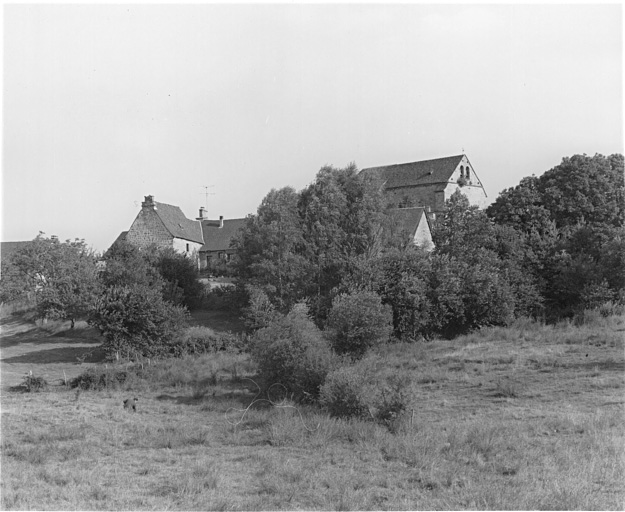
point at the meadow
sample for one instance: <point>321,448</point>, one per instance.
<point>525,417</point>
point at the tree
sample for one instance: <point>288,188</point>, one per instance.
<point>299,246</point>
<point>61,275</point>
<point>270,247</point>
<point>180,274</point>
<point>467,296</point>
<point>585,189</point>
<point>174,274</point>
<point>571,218</point>
<point>125,264</point>
<point>343,215</point>
<point>400,278</point>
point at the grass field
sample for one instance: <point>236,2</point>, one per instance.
<point>528,417</point>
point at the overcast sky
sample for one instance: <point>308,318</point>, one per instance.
<point>103,105</point>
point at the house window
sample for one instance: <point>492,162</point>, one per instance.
<point>462,171</point>
<point>222,256</point>
<point>187,247</point>
<point>468,175</point>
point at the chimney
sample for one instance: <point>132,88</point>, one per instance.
<point>148,203</point>
<point>203,214</point>
<point>221,221</point>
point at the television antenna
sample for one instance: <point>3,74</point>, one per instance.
<point>206,193</point>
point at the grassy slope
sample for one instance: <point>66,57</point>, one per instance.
<point>524,418</point>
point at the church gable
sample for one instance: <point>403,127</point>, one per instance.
<point>429,183</point>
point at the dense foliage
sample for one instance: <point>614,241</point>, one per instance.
<point>291,351</point>
<point>60,276</point>
<point>136,321</point>
<point>299,246</point>
<point>571,220</point>
<point>357,322</point>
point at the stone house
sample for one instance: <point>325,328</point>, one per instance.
<point>429,183</point>
<point>164,225</point>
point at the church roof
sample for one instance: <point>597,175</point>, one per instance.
<point>425,172</point>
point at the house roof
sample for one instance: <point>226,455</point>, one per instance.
<point>8,248</point>
<point>177,224</point>
<point>425,172</point>
<point>407,219</point>
<point>218,238</point>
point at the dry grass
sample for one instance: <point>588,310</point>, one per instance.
<point>523,418</point>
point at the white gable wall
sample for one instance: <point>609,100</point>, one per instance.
<point>423,235</point>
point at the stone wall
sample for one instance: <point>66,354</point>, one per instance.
<point>148,229</point>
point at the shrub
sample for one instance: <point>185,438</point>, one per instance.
<point>343,393</point>
<point>292,351</point>
<point>392,400</point>
<point>358,391</point>
<point>358,321</point>
<point>100,378</point>
<point>260,312</point>
<point>136,320</point>
<point>33,384</point>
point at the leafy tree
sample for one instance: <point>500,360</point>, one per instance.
<point>269,249</point>
<point>400,278</point>
<point>343,215</point>
<point>174,274</point>
<point>467,296</point>
<point>522,208</point>
<point>61,275</point>
<point>468,235</point>
<point>357,322</point>
<point>180,274</point>
<point>571,218</point>
<point>126,264</point>
<point>299,246</point>
<point>585,189</point>
<point>135,319</point>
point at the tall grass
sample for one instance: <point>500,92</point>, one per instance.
<point>517,418</point>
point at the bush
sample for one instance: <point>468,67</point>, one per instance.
<point>260,312</point>
<point>135,320</point>
<point>99,378</point>
<point>358,321</point>
<point>392,401</point>
<point>292,351</point>
<point>343,393</point>
<point>356,391</point>
<point>33,384</point>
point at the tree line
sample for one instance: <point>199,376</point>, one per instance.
<point>550,247</point>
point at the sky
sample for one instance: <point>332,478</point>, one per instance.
<point>216,104</point>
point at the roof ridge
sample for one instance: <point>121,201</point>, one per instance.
<point>416,162</point>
